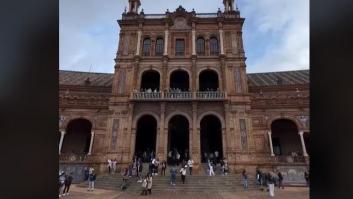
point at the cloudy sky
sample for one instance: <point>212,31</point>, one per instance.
<point>276,32</point>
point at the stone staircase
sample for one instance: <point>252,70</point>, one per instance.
<point>194,183</point>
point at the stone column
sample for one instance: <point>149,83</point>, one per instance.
<point>301,133</point>
<point>61,141</point>
<point>139,33</point>
<point>91,143</point>
<point>270,139</point>
<point>160,137</point>
<point>193,42</point>
<point>166,36</point>
<point>221,41</point>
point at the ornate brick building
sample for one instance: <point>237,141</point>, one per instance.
<point>180,82</point>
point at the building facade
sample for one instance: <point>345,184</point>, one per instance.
<point>180,82</point>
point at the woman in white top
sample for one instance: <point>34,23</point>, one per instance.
<point>183,173</point>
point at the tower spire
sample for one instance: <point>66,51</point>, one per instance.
<point>228,5</point>
<point>134,6</point>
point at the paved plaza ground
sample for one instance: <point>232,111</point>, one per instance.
<point>288,193</point>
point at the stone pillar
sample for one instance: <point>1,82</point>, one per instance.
<point>160,136</point>
<point>195,146</point>
<point>166,36</point>
<point>301,133</point>
<point>193,42</point>
<point>139,33</point>
<point>221,41</point>
<point>61,141</point>
<point>270,139</point>
<point>91,143</point>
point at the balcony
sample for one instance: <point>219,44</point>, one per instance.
<point>179,96</point>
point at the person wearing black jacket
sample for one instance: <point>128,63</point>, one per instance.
<point>280,180</point>
<point>68,181</point>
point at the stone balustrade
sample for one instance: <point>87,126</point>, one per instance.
<point>178,96</point>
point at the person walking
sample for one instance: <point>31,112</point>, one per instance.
<point>67,183</point>
<point>172,176</point>
<point>258,177</point>
<point>61,182</point>
<point>125,179</point>
<point>164,167</point>
<point>91,180</point>
<point>190,164</point>
<point>144,186</point>
<point>211,172</point>
<point>149,183</point>
<point>109,166</point>
<point>245,179</point>
<point>271,185</point>
<point>280,180</point>
<point>306,175</point>
<point>183,173</point>
<point>86,174</point>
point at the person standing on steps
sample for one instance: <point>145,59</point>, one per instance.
<point>149,183</point>
<point>211,172</point>
<point>109,166</point>
<point>164,167</point>
<point>68,181</point>
<point>245,179</point>
<point>306,175</point>
<point>91,180</point>
<point>190,164</point>
<point>271,184</point>
<point>183,173</point>
<point>125,179</point>
<point>61,182</point>
<point>144,186</point>
<point>172,176</point>
<point>178,158</point>
<point>114,165</point>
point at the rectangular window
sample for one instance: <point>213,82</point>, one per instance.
<point>180,47</point>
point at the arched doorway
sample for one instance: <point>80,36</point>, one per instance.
<point>77,137</point>
<point>178,138</point>
<point>179,79</point>
<point>150,80</point>
<point>208,81</point>
<point>211,138</point>
<point>146,134</point>
<point>285,137</point>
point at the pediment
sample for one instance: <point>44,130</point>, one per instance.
<point>180,23</point>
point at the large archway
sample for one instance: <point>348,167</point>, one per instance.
<point>179,79</point>
<point>211,138</point>
<point>178,137</point>
<point>285,137</point>
<point>208,81</point>
<point>146,134</point>
<point>150,80</point>
<point>77,137</point>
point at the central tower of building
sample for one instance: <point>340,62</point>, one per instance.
<point>180,85</point>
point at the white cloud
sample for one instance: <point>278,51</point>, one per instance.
<point>289,22</point>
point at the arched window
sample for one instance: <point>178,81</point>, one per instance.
<point>200,44</point>
<point>214,50</point>
<point>159,47</point>
<point>146,47</point>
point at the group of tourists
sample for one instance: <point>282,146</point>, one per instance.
<point>269,180</point>
<point>183,170</point>
<point>212,166</point>
<point>176,157</point>
<point>65,181</point>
